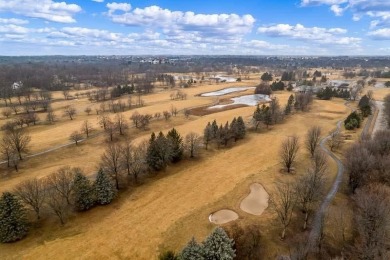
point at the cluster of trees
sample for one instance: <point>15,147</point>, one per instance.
<point>328,93</point>
<point>268,114</point>
<point>58,193</point>
<point>308,189</point>
<point>275,86</point>
<point>217,245</point>
<point>223,134</point>
<point>14,143</point>
<point>288,76</point>
<point>369,161</point>
<point>368,166</point>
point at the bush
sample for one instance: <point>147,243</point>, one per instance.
<point>353,121</point>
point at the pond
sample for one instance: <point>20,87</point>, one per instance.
<point>225,91</point>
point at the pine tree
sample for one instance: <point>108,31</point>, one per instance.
<point>218,246</point>
<point>84,198</point>
<point>176,145</point>
<point>226,134</point>
<point>257,116</point>
<point>289,105</point>
<point>105,190</point>
<point>241,130</point>
<point>234,129</point>
<point>192,251</point>
<point>13,223</point>
<point>214,129</point>
<point>158,152</point>
<point>207,135</point>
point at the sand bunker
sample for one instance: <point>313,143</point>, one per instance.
<point>223,216</point>
<point>257,200</point>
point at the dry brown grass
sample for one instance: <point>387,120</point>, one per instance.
<point>167,210</point>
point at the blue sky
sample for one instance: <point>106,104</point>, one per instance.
<point>161,27</point>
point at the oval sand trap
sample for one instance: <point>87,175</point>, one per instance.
<point>257,200</point>
<point>223,216</point>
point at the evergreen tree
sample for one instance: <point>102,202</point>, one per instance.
<point>257,116</point>
<point>192,251</point>
<point>176,145</point>
<point>207,135</point>
<point>364,105</point>
<point>234,129</point>
<point>218,246</point>
<point>13,223</point>
<point>226,134</point>
<point>159,152</point>
<point>84,198</point>
<point>105,190</point>
<point>214,129</point>
<point>241,129</point>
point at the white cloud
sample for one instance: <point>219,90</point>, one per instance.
<point>46,9</point>
<point>98,1</point>
<point>378,9</point>
<point>337,10</point>
<point>311,34</point>
<point>13,29</point>
<point>112,7</point>
<point>380,34</point>
<point>178,22</point>
<point>322,2</point>
<point>13,21</point>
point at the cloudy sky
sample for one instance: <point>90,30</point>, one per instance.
<point>262,27</point>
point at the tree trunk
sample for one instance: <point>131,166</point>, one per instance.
<point>283,233</point>
<point>306,218</point>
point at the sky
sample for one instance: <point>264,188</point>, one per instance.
<point>195,27</point>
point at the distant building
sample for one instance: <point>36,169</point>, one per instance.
<point>17,85</point>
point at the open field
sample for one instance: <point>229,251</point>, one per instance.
<point>168,209</point>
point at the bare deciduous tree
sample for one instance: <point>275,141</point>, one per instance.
<point>70,111</point>
<point>282,203</point>
<point>373,221</point>
<point>334,140</point>
<point>51,117</point>
<point>57,204</point>
<point>62,182</point>
<point>7,112</point>
<point>19,140</point>
<point>33,193</point>
<point>121,123</point>
<point>86,128</point>
<point>358,163</point>
<point>88,110</point>
<point>289,151</point>
<point>111,162</point>
<point>313,136</point>
<point>192,143</point>
<point>309,190</point>
<point>76,137</point>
